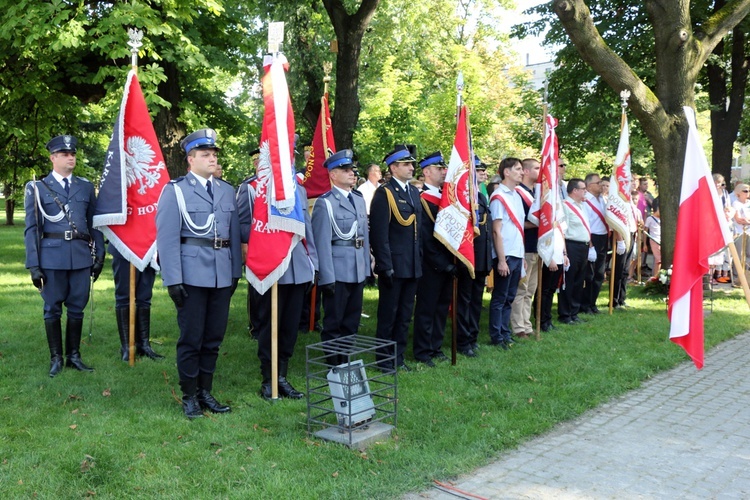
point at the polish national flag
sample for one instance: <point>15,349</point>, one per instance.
<point>699,208</point>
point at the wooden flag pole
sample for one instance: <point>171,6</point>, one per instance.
<point>540,264</point>
<point>135,43</point>
<point>275,37</point>
<point>131,319</point>
<point>275,341</point>
<point>612,271</point>
<point>741,275</point>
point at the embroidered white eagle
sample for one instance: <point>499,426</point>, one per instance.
<point>139,157</point>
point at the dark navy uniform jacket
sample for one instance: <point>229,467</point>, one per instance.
<point>394,245</point>
<point>59,253</point>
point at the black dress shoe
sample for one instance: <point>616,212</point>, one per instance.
<point>440,356</point>
<point>75,361</point>
<point>548,327</point>
<point>405,368</point>
<point>287,391</point>
<point>426,362</point>
<point>208,402</point>
<point>55,365</point>
<point>576,319</point>
<point>501,344</point>
<point>265,391</point>
<point>567,321</point>
<point>474,346</point>
<point>595,310</point>
<point>469,353</point>
<point>191,407</point>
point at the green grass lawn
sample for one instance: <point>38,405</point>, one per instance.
<point>120,431</point>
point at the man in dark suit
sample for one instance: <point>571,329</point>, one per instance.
<point>298,277</point>
<point>60,243</point>
<point>435,287</point>
<point>198,236</point>
<point>471,291</point>
<point>395,217</point>
<point>339,221</point>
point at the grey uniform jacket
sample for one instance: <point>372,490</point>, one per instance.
<point>58,253</point>
<point>304,261</point>
<point>341,262</point>
<point>194,265</point>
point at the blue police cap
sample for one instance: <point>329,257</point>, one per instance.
<point>340,159</point>
<point>432,159</point>
<point>400,153</point>
<point>204,138</point>
<point>62,143</point>
<point>479,164</point>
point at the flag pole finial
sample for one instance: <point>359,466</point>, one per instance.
<point>135,36</point>
<point>624,96</point>
<point>275,37</point>
<point>327,67</point>
<point>459,93</point>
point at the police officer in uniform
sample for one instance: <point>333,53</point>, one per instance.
<point>60,243</point>
<point>435,288</point>
<point>339,222</point>
<point>197,233</point>
<point>471,290</point>
<point>296,280</point>
<point>395,217</point>
<point>144,285</point>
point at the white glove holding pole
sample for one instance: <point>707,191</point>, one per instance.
<point>621,247</point>
<point>592,254</point>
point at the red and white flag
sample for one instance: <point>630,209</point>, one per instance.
<point>699,208</point>
<point>133,178</point>
<point>456,218</point>
<point>618,212</point>
<point>315,178</point>
<point>546,211</point>
<point>278,223</point>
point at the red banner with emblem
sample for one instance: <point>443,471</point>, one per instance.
<point>133,178</point>
<point>456,218</point>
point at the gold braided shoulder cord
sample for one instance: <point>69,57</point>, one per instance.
<point>394,211</point>
<point>427,209</point>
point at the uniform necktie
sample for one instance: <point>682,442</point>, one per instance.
<point>66,185</point>
<point>351,200</point>
<point>210,191</point>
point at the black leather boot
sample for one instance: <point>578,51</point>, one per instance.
<point>54,340</point>
<point>285,388</point>
<point>123,322</point>
<point>143,333</point>
<point>265,385</point>
<point>72,345</point>
<point>205,399</point>
<point>190,404</point>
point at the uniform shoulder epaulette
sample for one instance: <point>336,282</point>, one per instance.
<point>326,194</point>
<point>354,191</point>
<point>249,179</point>
<point>84,179</point>
<point>225,182</point>
<point>177,179</point>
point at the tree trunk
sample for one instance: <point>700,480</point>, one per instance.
<point>346,112</point>
<point>680,55</point>
<point>349,31</point>
<point>168,128</point>
<point>726,110</point>
<point>10,204</point>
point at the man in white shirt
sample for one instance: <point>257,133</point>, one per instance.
<point>373,182</point>
<point>594,208</point>
<point>508,249</point>
<point>577,244</point>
